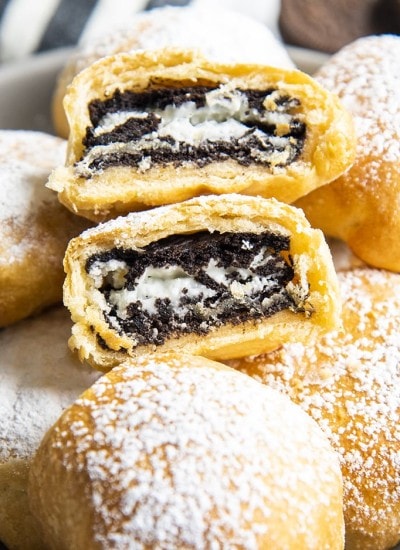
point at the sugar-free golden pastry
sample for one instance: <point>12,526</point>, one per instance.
<point>34,227</point>
<point>362,207</point>
<point>221,34</point>
<point>349,382</point>
<point>220,276</point>
<point>39,378</point>
<point>176,451</point>
<point>151,128</point>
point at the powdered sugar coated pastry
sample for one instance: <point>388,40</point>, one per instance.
<point>362,206</point>
<point>34,227</point>
<point>221,34</point>
<point>349,382</point>
<point>176,451</point>
<point>38,379</point>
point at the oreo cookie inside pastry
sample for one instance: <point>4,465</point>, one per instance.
<point>150,128</point>
<point>221,276</point>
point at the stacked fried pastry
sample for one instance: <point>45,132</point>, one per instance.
<point>206,263</point>
<point>190,166</point>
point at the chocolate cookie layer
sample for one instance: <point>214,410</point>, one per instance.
<point>197,124</point>
<point>194,283</point>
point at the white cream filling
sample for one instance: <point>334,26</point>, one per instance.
<point>172,283</point>
<point>112,272</point>
<point>159,283</point>
<point>112,120</point>
<point>255,284</point>
<point>220,119</point>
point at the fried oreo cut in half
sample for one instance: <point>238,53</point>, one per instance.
<point>154,128</point>
<point>221,276</point>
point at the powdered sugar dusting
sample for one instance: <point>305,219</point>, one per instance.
<point>366,76</point>
<point>177,456</point>
<point>39,378</point>
<point>26,160</point>
<point>215,32</point>
<point>350,383</point>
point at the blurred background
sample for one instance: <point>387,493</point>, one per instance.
<point>28,27</point>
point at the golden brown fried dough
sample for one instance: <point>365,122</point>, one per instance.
<point>152,128</point>
<point>34,227</point>
<point>175,451</point>
<point>349,382</point>
<point>221,276</point>
<point>362,206</point>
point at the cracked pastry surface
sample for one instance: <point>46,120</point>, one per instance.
<point>216,275</point>
<point>34,227</point>
<point>176,451</point>
<point>157,127</point>
<point>362,206</point>
<point>349,382</point>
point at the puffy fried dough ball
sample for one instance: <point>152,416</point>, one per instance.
<point>39,378</point>
<point>34,227</point>
<point>177,451</point>
<point>349,382</point>
<point>362,206</point>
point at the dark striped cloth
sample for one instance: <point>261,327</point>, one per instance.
<point>28,27</point>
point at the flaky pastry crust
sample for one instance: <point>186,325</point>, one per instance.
<point>328,147</point>
<point>103,346</point>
